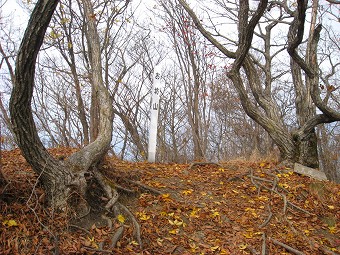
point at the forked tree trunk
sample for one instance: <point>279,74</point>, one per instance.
<point>306,151</point>
<point>59,178</point>
<point>301,150</point>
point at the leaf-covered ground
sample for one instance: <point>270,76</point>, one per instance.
<point>234,207</point>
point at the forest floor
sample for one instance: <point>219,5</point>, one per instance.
<point>235,207</point>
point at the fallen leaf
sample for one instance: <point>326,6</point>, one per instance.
<point>10,223</point>
<point>121,218</point>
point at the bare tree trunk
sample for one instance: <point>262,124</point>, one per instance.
<point>58,177</point>
<point>94,113</point>
<point>299,145</point>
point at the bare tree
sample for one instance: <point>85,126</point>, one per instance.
<point>62,180</point>
<point>297,145</point>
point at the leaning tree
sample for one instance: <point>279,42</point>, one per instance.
<point>62,179</point>
<point>253,77</point>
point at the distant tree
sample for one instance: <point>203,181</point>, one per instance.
<point>194,65</point>
<point>247,72</point>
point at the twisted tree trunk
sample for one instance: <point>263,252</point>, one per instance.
<point>59,178</point>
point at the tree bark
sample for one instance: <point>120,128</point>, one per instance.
<point>59,178</point>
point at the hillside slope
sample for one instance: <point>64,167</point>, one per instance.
<point>234,207</point>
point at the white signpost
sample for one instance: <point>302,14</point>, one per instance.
<point>154,114</point>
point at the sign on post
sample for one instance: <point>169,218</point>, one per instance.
<point>154,114</point>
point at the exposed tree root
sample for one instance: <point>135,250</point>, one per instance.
<point>117,236</point>
<point>264,246</point>
<point>97,250</point>
<point>261,183</point>
<point>311,242</point>
<point>80,228</point>
<point>139,185</point>
<point>237,177</point>
<point>105,195</point>
<point>136,229</point>
<point>270,215</point>
<point>146,188</point>
<point>252,250</point>
<point>287,247</point>
<point>203,164</point>
<point>125,190</point>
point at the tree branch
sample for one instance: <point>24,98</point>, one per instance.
<point>295,36</point>
<point>205,32</point>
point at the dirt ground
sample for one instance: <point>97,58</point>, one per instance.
<point>236,207</point>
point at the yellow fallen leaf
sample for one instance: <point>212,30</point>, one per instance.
<point>187,192</point>
<point>93,243</point>
<point>10,223</point>
<point>331,207</point>
<point>214,248</point>
<point>175,222</point>
<point>224,252</point>
<point>215,214</point>
<point>283,185</point>
<point>249,209</point>
<point>167,195</point>
<point>174,231</point>
<point>248,235</point>
<point>194,212</point>
<point>332,230</point>
<point>242,246</point>
<point>143,216</point>
<point>121,218</point>
<point>262,198</point>
<point>134,243</point>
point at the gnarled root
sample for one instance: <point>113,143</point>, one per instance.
<point>117,208</point>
